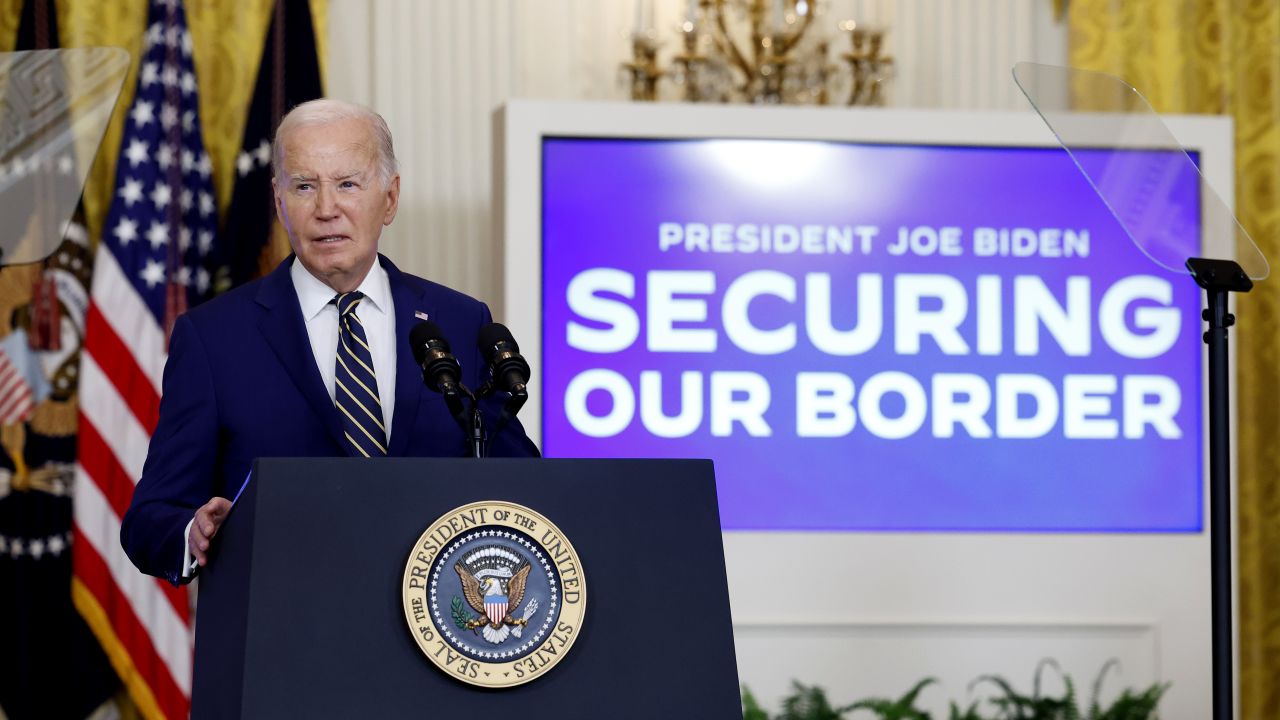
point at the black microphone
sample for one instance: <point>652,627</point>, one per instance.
<point>501,354</point>
<point>440,369</point>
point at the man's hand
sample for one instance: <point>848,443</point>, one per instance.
<point>207,521</point>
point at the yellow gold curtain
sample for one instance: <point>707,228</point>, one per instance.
<point>1223,57</point>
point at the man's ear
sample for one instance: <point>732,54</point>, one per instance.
<point>275,192</point>
<point>281,215</point>
<point>393,200</point>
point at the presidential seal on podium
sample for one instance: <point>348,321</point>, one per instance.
<point>494,594</point>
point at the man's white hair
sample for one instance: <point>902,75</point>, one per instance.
<point>329,110</point>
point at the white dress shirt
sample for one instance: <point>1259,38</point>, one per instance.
<point>377,315</point>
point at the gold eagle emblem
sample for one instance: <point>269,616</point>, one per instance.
<point>495,603</point>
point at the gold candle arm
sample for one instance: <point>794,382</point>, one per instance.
<point>726,44</point>
<point>798,34</point>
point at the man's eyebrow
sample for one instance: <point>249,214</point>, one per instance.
<point>313,178</point>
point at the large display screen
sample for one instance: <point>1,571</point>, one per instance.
<point>871,337</point>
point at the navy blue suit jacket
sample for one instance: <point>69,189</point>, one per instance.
<point>241,383</point>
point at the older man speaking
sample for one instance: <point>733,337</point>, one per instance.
<point>311,360</point>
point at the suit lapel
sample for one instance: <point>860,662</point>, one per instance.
<point>409,385</point>
<point>285,331</point>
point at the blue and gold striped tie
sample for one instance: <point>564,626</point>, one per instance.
<point>355,389</point>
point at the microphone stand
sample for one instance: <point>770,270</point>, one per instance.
<point>468,419</point>
<point>509,410</point>
<point>475,440</point>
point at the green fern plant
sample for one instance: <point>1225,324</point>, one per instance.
<point>1129,706</point>
<point>904,708</point>
<point>810,702</point>
<point>1013,705</point>
<point>969,713</point>
<point>751,709</point>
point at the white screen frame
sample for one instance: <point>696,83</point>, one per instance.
<point>1141,598</point>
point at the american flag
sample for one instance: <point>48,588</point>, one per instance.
<point>156,258</point>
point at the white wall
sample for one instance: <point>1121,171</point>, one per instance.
<point>437,69</point>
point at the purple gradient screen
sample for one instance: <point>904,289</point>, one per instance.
<point>871,337</point>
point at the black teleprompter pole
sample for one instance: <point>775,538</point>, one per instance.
<point>1218,278</point>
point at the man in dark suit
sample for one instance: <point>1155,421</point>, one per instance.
<point>311,360</point>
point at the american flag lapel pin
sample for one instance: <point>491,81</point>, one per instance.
<point>420,315</point>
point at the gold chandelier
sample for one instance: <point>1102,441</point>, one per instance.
<point>758,51</point>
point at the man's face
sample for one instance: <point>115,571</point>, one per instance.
<point>332,202</point>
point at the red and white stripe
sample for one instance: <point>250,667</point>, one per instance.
<point>496,609</point>
<point>16,402</point>
<point>121,368</point>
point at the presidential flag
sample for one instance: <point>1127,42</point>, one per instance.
<point>158,256</point>
<point>288,74</point>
